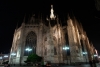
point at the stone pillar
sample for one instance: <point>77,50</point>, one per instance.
<point>73,43</point>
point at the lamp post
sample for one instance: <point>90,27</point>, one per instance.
<point>66,48</point>
<point>85,53</point>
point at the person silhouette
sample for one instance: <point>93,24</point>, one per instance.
<point>94,63</point>
<point>91,63</point>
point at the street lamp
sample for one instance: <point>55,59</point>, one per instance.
<point>66,48</point>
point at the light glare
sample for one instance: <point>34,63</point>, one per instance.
<point>6,56</point>
<point>0,57</point>
<point>84,52</point>
<point>95,55</point>
<point>28,49</point>
<point>13,54</point>
<point>65,48</point>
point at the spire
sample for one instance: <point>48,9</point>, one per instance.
<point>52,16</point>
<point>24,19</point>
<point>68,16</point>
<point>17,25</point>
<point>41,17</point>
<point>29,19</point>
<point>32,20</point>
<point>49,24</point>
<point>57,20</point>
<point>60,23</point>
<point>41,23</point>
<point>49,21</point>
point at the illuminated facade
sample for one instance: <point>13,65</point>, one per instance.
<point>49,39</point>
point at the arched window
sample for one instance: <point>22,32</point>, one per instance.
<point>55,51</point>
<point>67,44</point>
<point>30,44</point>
<point>45,39</point>
<point>55,43</point>
<point>82,45</point>
<point>45,52</point>
<point>66,39</point>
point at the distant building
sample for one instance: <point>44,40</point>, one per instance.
<point>50,39</point>
<point>3,58</point>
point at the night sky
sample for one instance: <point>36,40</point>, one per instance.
<point>13,12</point>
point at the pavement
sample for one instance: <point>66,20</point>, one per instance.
<point>85,65</point>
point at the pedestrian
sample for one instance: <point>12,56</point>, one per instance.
<point>37,65</point>
<point>45,63</point>
<point>94,63</point>
<point>48,64</point>
<point>91,63</point>
<point>42,63</point>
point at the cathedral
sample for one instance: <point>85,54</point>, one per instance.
<point>51,40</point>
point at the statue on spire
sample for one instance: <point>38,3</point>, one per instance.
<point>52,16</point>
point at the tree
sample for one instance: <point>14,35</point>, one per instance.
<point>33,58</point>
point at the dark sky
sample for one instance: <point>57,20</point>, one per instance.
<point>13,12</point>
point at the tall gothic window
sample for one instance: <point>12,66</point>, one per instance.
<point>55,51</point>
<point>66,39</point>
<point>82,45</point>
<point>55,43</point>
<point>67,44</point>
<point>45,52</point>
<point>30,44</point>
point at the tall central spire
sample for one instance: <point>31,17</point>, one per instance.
<point>52,16</point>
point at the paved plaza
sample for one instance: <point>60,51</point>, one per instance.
<point>86,65</point>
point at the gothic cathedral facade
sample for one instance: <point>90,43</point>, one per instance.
<point>54,42</point>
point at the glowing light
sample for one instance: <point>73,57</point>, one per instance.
<point>13,54</point>
<point>65,48</point>
<point>95,55</point>
<point>84,52</point>
<point>6,56</point>
<point>52,14</point>
<point>0,57</point>
<point>28,49</point>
